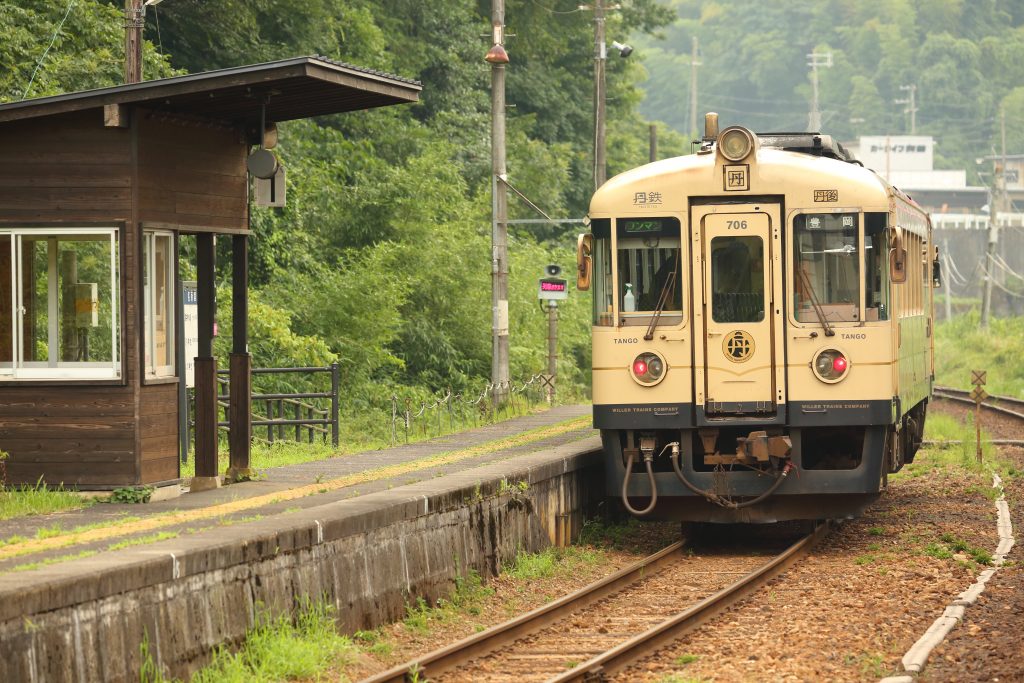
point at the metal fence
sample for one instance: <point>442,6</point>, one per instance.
<point>286,415</point>
<point>311,415</point>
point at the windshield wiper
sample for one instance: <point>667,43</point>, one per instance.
<point>668,290</point>
<point>829,332</point>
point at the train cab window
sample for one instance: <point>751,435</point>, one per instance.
<point>601,273</point>
<point>737,279</point>
<point>876,262</point>
<point>649,268</point>
<point>827,266</point>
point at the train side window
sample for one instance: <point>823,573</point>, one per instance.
<point>827,266</point>
<point>876,262</point>
<point>601,272</point>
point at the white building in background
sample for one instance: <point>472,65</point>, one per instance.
<point>907,161</point>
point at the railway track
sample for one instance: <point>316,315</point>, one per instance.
<point>1004,406</point>
<point>610,624</point>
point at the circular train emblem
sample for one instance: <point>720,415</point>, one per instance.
<point>738,346</point>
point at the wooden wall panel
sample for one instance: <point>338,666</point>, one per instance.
<point>65,168</point>
<point>158,432</point>
<point>202,183</point>
<point>68,435</point>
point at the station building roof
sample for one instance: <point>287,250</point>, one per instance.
<point>294,88</point>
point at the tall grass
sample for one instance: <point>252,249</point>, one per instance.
<point>962,345</point>
<point>282,649</point>
<point>18,501</point>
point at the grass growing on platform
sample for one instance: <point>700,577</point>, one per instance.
<point>278,454</point>
<point>265,455</point>
<point>19,501</point>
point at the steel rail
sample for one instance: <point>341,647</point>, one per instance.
<point>459,653</point>
<point>623,655</point>
<point>961,396</point>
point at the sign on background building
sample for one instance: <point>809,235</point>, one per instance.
<point>190,301</point>
<point>897,152</point>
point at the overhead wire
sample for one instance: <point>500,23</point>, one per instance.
<point>53,39</point>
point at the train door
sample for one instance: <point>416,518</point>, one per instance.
<point>740,368</point>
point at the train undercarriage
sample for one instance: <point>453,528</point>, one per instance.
<point>756,473</point>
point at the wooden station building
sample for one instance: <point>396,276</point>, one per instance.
<point>96,188</point>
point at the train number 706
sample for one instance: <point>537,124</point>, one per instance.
<point>735,225</point>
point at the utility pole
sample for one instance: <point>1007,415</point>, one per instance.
<point>911,102</point>
<point>949,280</point>
<point>600,56</point>
<point>134,21</point>
<point>815,60</point>
<point>653,143</point>
<point>498,58</point>
<point>552,348</point>
<point>995,207</point>
<point>694,63</point>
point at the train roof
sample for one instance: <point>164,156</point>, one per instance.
<point>791,164</point>
<point>815,144</point>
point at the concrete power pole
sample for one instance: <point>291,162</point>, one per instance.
<point>694,63</point>
<point>134,20</point>
<point>996,206</point>
<point>815,60</point>
<point>911,102</point>
<point>498,58</point>
<point>552,347</point>
<point>600,56</point>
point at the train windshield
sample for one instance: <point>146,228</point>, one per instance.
<point>826,255</point>
<point>648,261</point>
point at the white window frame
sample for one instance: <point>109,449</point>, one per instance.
<point>54,369</point>
<point>149,237</point>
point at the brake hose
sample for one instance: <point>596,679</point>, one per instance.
<point>719,500</point>
<point>649,462</point>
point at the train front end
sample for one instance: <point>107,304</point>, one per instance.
<point>756,356</point>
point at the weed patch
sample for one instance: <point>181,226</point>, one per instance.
<point>41,499</point>
<point>282,649</point>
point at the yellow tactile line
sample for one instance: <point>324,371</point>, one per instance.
<point>172,518</point>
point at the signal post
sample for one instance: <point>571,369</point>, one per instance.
<point>551,288</point>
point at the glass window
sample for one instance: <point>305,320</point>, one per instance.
<point>876,263</point>
<point>601,273</point>
<point>59,304</point>
<point>158,276</point>
<point>737,279</point>
<point>650,271</point>
<point>827,266</point>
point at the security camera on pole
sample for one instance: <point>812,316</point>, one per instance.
<point>551,289</point>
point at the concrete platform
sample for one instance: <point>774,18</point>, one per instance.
<point>445,507</point>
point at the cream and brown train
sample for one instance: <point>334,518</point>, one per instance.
<point>762,329</point>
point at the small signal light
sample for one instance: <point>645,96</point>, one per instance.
<point>830,365</point>
<point>639,367</point>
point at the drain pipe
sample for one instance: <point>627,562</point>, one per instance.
<point>649,463</point>
<point>719,500</point>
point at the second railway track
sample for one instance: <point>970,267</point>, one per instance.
<point>610,624</point>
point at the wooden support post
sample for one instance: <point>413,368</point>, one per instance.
<point>206,370</point>
<point>240,415</point>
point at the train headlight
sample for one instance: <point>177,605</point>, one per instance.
<point>735,143</point>
<point>830,365</point>
<point>648,369</point>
